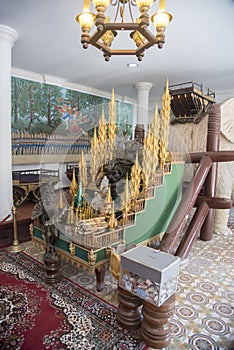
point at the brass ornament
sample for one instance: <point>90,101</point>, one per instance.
<point>92,256</point>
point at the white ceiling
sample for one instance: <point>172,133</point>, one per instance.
<point>199,46</point>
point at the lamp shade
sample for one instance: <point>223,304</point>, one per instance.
<point>141,3</point>
<point>161,19</point>
<point>104,3</point>
<point>85,19</point>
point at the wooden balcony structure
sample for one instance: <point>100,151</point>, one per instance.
<point>189,103</point>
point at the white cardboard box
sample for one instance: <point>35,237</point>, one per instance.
<point>149,273</point>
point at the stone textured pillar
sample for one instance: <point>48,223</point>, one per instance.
<point>143,89</point>
<point>7,39</point>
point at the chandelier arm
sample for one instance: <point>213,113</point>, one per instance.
<point>130,10</point>
<point>117,10</point>
<point>147,34</point>
<point>121,26</point>
<point>105,49</point>
<point>123,52</point>
<point>142,48</point>
<point>96,36</point>
<point>113,27</point>
<point>122,11</point>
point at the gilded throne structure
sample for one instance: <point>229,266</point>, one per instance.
<point>115,200</point>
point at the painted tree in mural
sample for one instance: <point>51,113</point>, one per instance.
<point>50,93</point>
<point>26,102</point>
<point>125,119</point>
<point>16,90</point>
<point>22,99</point>
<point>32,106</point>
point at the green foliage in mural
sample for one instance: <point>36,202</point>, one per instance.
<point>32,106</point>
<point>44,108</point>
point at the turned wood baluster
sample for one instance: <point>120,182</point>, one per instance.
<point>155,325</point>
<point>128,315</point>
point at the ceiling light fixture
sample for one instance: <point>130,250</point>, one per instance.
<point>132,65</point>
<point>106,31</point>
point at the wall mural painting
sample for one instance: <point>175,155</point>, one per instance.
<point>48,118</point>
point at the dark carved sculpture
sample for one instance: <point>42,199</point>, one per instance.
<point>47,212</point>
<point>114,170</point>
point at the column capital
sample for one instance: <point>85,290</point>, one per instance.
<point>8,33</point>
<point>146,86</point>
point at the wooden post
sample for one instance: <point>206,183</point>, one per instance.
<point>171,236</point>
<point>128,315</point>
<point>213,140</point>
<point>155,325</point>
<point>100,278</point>
<point>193,230</point>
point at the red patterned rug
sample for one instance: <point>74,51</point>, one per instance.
<point>35,315</point>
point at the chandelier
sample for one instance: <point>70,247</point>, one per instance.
<point>106,31</point>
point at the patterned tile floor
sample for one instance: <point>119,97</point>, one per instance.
<point>204,313</point>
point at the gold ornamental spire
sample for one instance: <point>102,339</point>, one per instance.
<point>61,205</point>
<point>165,122</point>
<point>166,103</point>
<point>125,197</point>
<point>113,223</point>
<point>73,186</point>
<point>135,179</point>
<point>94,156</point>
<point>156,121</point>
<point>155,126</point>
<point>112,125</point>
<point>94,141</point>
<point>108,197</point>
<point>102,138</point>
<point>146,162</point>
<point>83,171</point>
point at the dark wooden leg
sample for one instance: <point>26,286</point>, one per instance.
<point>52,266</point>
<point>128,315</point>
<point>100,278</point>
<point>155,325</point>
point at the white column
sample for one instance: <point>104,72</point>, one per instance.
<point>65,182</point>
<point>7,39</point>
<point>143,89</point>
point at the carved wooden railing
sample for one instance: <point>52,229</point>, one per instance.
<point>173,241</point>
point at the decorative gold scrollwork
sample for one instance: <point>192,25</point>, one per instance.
<point>92,256</point>
<point>108,252</point>
<point>72,248</point>
<point>31,230</point>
